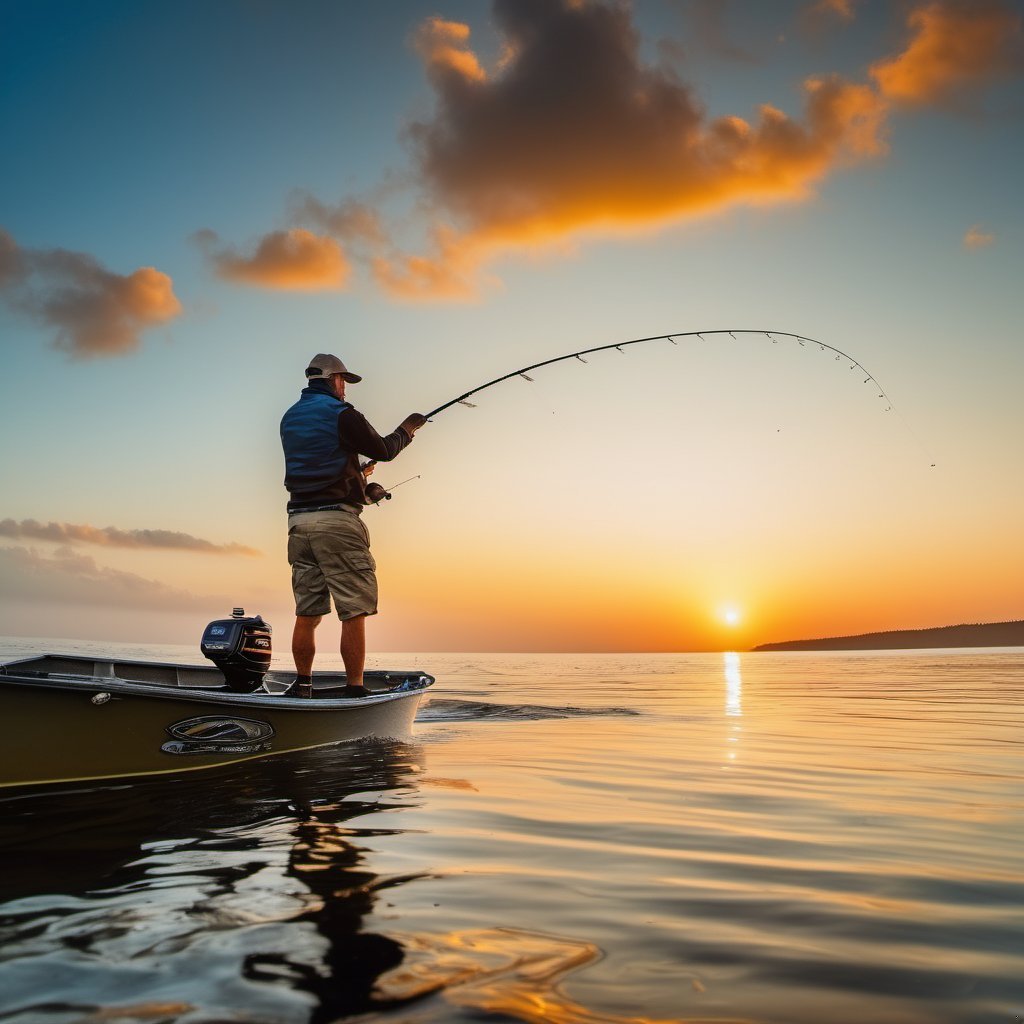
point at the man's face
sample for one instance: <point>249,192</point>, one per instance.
<point>338,383</point>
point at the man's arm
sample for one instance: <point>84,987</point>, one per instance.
<point>357,435</point>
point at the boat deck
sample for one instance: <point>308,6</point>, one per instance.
<point>59,668</point>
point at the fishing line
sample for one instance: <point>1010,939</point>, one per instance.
<point>772,336</point>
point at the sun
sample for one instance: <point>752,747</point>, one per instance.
<point>731,615</point>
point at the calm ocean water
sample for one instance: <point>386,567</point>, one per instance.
<point>567,839</point>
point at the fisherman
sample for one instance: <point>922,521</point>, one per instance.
<point>328,544</point>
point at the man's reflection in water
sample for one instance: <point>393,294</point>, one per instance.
<point>325,860</point>
<point>216,831</point>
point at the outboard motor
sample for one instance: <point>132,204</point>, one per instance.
<point>240,647</point>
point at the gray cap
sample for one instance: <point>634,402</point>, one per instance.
<point>323,366</point>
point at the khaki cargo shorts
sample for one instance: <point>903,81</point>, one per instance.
<point>329,553</point>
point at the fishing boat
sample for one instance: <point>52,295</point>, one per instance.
<point>70,718</point>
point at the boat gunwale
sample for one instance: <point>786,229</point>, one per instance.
<point>205,695</point>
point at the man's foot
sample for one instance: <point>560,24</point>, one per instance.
<point>302,687</point>
<point>355,691</point>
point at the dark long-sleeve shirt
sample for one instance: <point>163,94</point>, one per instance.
<point>357,438</point>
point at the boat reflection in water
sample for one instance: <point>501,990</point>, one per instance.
<point>249,887</point>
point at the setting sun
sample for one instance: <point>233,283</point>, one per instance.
<point>731,615</point>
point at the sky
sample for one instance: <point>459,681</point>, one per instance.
<point>196,198</point>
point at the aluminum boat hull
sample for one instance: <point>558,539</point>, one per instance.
<point>67,718</point>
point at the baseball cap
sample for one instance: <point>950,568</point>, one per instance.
<point>324,365</point>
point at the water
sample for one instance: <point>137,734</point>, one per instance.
<point>566,839</point>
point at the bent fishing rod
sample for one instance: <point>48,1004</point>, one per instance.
<point>802,339</point>
<point>772,335</point>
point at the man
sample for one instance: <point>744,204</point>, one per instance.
<point>328,544</point>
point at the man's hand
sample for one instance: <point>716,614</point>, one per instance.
<point>376,493</point>
<point>412,423</point>
<point>367,468</point>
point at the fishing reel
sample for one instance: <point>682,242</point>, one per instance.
<point>375,493</point>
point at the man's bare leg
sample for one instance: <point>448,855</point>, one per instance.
<point>353,649</point>
<point>304,644</point>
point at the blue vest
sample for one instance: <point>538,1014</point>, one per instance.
<point>313,456</point>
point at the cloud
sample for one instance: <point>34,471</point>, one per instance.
<point>568,133</point>
<point>452,271</point>
<point>443,45</point>
<point>12,266</point>
<point>95,311</point>
<point>69,578</point>
<point>955,47</point>
<point>571,133</point>
<point>291,260</point>
<point>111,536</point>
<point>977,238</point>
<point>351,220</point>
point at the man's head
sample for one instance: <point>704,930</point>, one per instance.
<point>332,369</point>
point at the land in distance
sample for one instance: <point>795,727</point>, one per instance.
<point>984,634</point>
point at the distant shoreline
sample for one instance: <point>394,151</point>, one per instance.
<point>985,634</point>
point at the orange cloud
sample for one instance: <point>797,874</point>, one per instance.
<point>574,133</point>
<point>569,133</point>
<point>954,47</point>
<point>95,311</point>
<point>451,272</point>
<point>292,260</point>
<point>111,536</point>
<point>443,46</point>
<point>977,238</point>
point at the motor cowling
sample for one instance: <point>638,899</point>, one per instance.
<point>240,647</point>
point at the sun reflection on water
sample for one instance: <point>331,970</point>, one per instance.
<point>733,700</point>
<point>733,684</point>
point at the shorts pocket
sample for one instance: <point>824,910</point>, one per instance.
<point>361,561</point>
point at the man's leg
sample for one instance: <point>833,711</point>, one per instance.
<point>353,648</point>
<point>304,643</point>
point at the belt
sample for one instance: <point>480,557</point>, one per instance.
<point>326,508</point>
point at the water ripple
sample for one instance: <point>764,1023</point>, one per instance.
<point>447,710</point>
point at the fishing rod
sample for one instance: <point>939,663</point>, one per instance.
<point>802,339</point>
<point>405,481</point>
<point>773,336</point>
